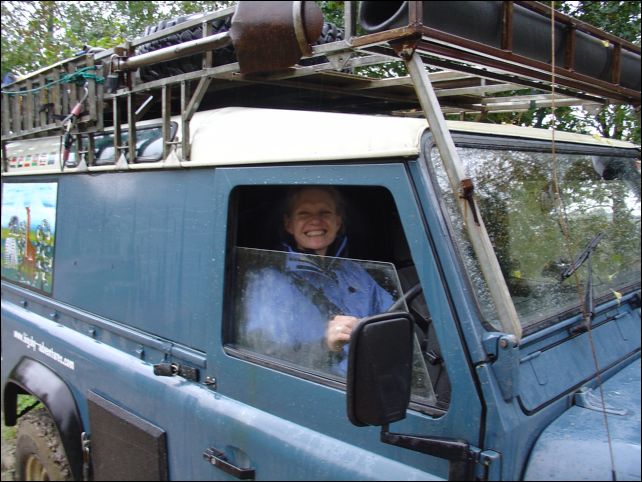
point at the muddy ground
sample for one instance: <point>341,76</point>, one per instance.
<point>8,449</point>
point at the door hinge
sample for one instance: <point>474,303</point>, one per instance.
<point>489,466</point>
<point>503,354</point>
<point>166,369</point>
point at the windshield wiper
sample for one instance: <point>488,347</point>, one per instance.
<point>588,293</point>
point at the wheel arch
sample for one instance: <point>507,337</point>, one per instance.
<point>33,378</point>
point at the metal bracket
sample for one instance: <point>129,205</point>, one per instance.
<point>473,222</point>
<point>220,460</point>
<point>585,397</point>
<point>489,466</point>
<point>503,351</point>
<point>85,442</point>
<point>340,60</point>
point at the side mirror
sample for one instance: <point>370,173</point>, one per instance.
<point>379,383</point>
<point>380,369</point>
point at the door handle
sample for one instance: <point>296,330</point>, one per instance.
<point>166,369</point>
<point>218,459</point>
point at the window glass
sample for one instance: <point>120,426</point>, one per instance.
<point>149,146</point>
<point>540,213</point>
<point>286,298</point>
<point>284,301</point>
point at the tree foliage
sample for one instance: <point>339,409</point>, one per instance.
<point>38,33</point>
<point>619,18</point>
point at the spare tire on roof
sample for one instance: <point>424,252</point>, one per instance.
<point>221,56</point>
<point>182,65</point>
<point>329,33</point>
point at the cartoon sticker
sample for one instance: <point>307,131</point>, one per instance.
<point>28,233</point>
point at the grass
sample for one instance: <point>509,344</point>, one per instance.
<point>24,401</point>
<point>8,433</point>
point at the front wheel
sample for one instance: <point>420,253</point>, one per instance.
<point>39,451</point>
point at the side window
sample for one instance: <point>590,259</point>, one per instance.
<point>149,146</point>
<point>305,264</point>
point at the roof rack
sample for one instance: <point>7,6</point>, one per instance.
<point>467,74</point>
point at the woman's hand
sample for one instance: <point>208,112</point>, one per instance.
<point>338,332</point>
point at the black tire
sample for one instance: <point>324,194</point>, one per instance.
<point>39,451</point>
<point>329,33</point>
<point>191,63</point>
<point>221,56</point>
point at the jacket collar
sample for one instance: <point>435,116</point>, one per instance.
<point>298,262</point>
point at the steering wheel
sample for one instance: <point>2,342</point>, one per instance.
<point>407,297</point>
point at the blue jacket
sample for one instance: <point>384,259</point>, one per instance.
<point>285,308</point>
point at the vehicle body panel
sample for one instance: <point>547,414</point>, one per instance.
<point>141,277</point>
<point>577,445</point>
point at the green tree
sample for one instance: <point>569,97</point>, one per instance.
<point>28,35</point>
<point>619,18</point>
<point>38,33</point>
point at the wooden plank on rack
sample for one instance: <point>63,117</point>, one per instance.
<point>90,102</point>
<point>28,100</point>
<point>16,114</point>
<point>56,95</point>
<point>6,114</point>
<point>43,101</point>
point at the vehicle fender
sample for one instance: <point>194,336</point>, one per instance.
<point>576,445</point>
<point>38,380</point>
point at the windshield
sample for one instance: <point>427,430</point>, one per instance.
<point>284,300</point>
<point>541,212</point>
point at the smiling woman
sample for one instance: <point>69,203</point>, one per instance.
<point>313,218</point>
<point>309,262</point>
<point>309,271</point>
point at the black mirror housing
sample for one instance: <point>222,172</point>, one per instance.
<point>380,369</point>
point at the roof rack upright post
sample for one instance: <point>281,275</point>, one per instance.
<point>117,117</point>
<point>463,185</point>
<point>349,19</point>
<point>166,113</point>
<point>185,133</point>
<point>131,122</point>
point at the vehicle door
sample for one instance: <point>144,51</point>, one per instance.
<point>277,419</point>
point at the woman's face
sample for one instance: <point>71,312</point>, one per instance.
<point>313,220</point>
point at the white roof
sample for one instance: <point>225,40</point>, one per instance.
<point>240,135</point>
<point>509,130</point>
<point>236,135</point>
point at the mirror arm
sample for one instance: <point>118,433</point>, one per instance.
<point>457,452</point>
